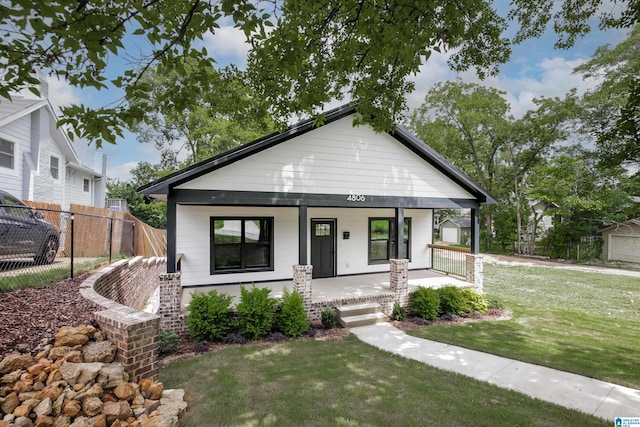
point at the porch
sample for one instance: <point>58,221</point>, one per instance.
<point>342,290</point>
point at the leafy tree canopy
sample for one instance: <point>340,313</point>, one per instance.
<point>304,53</point>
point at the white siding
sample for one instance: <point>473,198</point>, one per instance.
<point>19,133</point>
<point>46,188</point>
<point>75,188</point>
<point>334,159</point>
<point>193,241</point>
<point>352,254</point>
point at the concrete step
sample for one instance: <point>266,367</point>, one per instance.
<point>357,309</point>
<point>362,320</point>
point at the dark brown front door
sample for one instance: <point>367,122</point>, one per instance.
<point>323,247</point>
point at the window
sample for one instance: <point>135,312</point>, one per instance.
<point>85,185</point>
<point>16,208</point>
<point>54,167</point>
<point>241,244</point>
<point>381,239</point>
<point>6,154</point>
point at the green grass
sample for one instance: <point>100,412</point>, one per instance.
<point>45,276</point>
<point>345,383</point>
<point>581,322</point>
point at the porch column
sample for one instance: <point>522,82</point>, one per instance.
<point>302,235</point>
<point>171,234</point>
<point>475,230</point>
<point>475,271</point>
<point>399,235</point>
<point>400,280</point>
<point>302,284</point>
<point>170,290</point>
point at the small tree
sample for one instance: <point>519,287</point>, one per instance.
<point>293,318</point>
<point>256,312</point>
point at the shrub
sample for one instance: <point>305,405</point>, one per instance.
<point>328,318</point>
<point>167,341</point>
<point>474,301</point>
<point>425,302</point>
<point>256,312</point>
<point>451,301</point>
<point>293,319</point>
<point>494,304</point>
<point>398,313</point>
<point>209,316</point>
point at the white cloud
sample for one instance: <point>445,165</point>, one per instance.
<point>228,45</point>
<point>62,94</point>
<point>121,172</point>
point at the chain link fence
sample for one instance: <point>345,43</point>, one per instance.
<point>39,246</point>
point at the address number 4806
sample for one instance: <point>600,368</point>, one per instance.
<point>355,198</point>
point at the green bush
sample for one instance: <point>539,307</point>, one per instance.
<point>495,304</point>
<point>293,319</point>
<point>425,302</point>
<point>398,313</point>
<point>167,341</point>
<point>328,318</point>
<point>474,301</point>
<point>209,316</point>
<point>256,312</point>
<point>451,301</point>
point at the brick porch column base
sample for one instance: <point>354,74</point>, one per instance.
<point>399,272</point>
<point>170,289</point>
<point>475,271</point>
<point>302,284</point>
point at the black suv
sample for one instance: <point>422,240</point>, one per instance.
<point>23,233</point>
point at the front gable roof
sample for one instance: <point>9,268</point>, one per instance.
<point>162,186</point>
<point>630,222</point>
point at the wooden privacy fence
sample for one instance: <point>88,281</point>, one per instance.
<point>100,231</point>
<point>147,241</point>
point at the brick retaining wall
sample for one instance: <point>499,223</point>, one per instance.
<point>121,290</point>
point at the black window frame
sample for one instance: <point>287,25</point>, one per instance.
<point>10,155</point>
<point>243,245</point>
<point>390,240</point>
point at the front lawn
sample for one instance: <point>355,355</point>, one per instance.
<point>581,322</point>
<point>345,383</point>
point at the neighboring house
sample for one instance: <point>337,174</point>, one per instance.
<point>621,242</point>
<point>541,217</point>
<point>337,197</point>
<point>38,161</point>
<point>456,230</point>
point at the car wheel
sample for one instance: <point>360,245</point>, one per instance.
<point>49,252</point>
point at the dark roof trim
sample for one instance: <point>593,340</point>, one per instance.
<point>162,185</point>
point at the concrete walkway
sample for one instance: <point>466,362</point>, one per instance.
<point>598,398</point>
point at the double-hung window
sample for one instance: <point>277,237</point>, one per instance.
<point>382,241</point>
<point>240,244</point>
<point>7,155</point>
<point>54,162</point>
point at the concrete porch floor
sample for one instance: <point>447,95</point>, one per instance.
<point>336,287</point>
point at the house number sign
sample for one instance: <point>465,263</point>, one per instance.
<point>355,198</point>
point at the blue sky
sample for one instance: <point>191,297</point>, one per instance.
<point>535,70</point>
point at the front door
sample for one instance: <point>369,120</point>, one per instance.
<point>323,247</point>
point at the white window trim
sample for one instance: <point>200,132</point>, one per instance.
<point>51,156</point>
<point>88,191</point>
<point>16,155</point>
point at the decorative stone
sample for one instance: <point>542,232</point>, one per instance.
<point>92,406</point>
<point>80,373</point>
<point>103,351</point>
<point>111,375</point>
<point>43,421</point>
<point>74,356</point>
<point>155,391</point>
<point>58,352</point>
<point>126,391</point>
<point>71,336</point>
<point>43,408</point>
<point>173,394</point>
<point>11,377</point>
<point>81,422</point>
<point>72,408</point>
<point>9,403</point>
<point>161,421</point>
<point>23,422</point>
<point>14,362</point>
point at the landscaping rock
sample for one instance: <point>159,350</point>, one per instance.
<point>15,361</point>
<point>54,391</point>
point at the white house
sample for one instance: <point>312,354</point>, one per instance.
<point>621,242</point>
<point>38,161</point>
<point>455,230</point>
<point>337,197</point>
